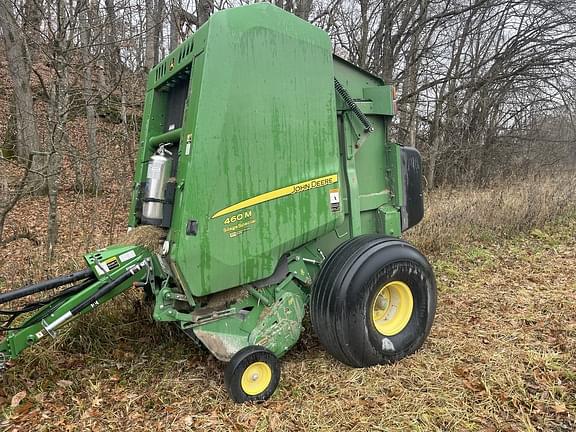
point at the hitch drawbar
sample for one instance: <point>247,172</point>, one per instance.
<point>92,301</point>
<point>111,272</point>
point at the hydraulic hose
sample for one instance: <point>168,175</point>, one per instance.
<point>93,299</point>
<point>53,302</point>
<point>45,286</point>
<point>108,287</point>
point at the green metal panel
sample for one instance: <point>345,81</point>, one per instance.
<point>261,118</point>
<point>372,161</point>
<point>354,78</point>
<point>382,101</point>
<point>260,121</point>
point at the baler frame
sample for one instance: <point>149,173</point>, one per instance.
<point>280,191</point>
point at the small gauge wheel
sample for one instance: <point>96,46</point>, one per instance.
<point>252,375</point>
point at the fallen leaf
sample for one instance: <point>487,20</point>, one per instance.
<point>23,409</point>
<point>64,383</point>
<point>462,371</point>
<point>560,408</point>
<point>89,413</point>
<point>17,398</point>
<point>475,386</point>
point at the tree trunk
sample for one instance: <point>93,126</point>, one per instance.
<point>19,67</point>
<point>408,115</point>
<point>150,54</point>
<point>362,59</point>
<point>204,8</point>
<point>382,47</point>
<point>303,9</point>
<point>436,138</point>
<point>175,7</point>
<point>113,51</point>
<point>154,21</point>
<point>89,99</point>
<point>57,119</point>
<point>33,13</point>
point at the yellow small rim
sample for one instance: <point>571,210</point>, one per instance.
<point>392,308</point>
<point>256,378</point>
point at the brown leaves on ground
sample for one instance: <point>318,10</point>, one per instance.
<point>501,357</point>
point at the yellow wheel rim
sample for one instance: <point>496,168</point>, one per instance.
<point>392,308</point>
<point>256,378</point>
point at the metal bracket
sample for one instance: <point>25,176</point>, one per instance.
<point>103,269</point>
<point>200,320</point>
<point>48,330</point>
<point>280,328</point>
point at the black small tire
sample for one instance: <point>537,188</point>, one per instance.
<point>252,374</point>
<point>373,301</point>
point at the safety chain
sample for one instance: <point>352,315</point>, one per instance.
<point>3,361</point>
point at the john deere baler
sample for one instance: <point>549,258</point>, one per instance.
<point>265,185</point>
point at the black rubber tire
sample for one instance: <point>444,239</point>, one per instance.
<point>240,362</point>
<point>346,287</point>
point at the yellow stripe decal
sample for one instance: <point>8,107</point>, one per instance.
<point>279,193</point>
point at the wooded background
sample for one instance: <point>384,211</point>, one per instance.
<point>486,88</point>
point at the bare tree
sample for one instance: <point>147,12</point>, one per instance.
<point>89,96</point>
<point>152,24</point>
<point>19,66</point>
<point>204,8</point>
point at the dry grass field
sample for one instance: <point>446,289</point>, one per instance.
<point>501,355</point>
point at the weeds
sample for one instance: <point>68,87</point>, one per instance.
<point>455,217</point>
